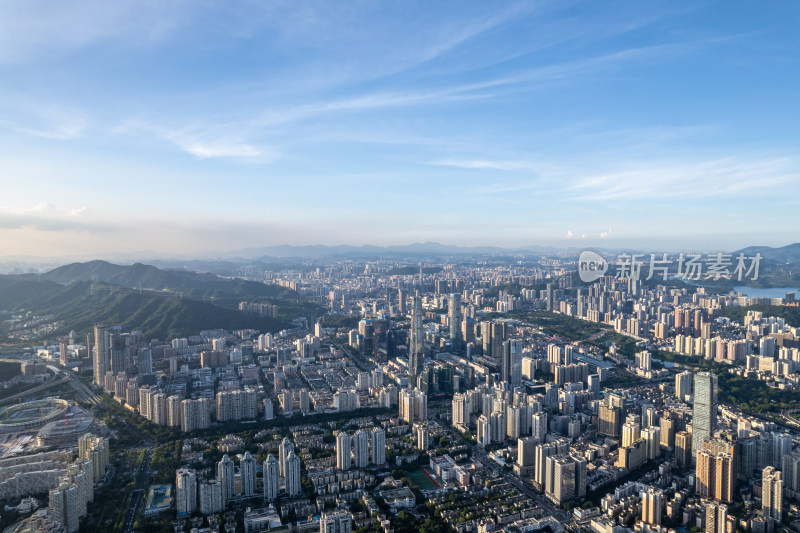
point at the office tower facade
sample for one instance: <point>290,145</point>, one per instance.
<point>543,451</point>
<point>118,359</point>
<point>144,361</point>
<point>526,452</point>
<point>100,363</point>
<point>704,409</point>
<point>498,338</point>
<point>185,491</point>
<point>506,363</point>
<point>226,476</point>
<point>565,478</point>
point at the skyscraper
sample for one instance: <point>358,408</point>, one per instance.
<point>416,347</point>
<point>117,356</point>
<point>652,503</point>
<point>361,448</point>
<point>100,354</point>
<point>704,409</point>
<point>378,443</point>
<point>423,437</point>
<point>271,478</point>
<point>247,471</point>
<point>186,491</point>
<point>343,444</point>
<point>505,363</point>
<point>144,361</point>
<point>715,475</point>
<point>610,421</point>
<point>716,518</point>
<point>772,493</point>
<point>225,475</point>
<point>565,478</point>
<point>454,319</point>
<point>292,481</point>
<point>683,448</point>
<point>683,385</point>
<point>63,353</point>
<point>285,448</point>
<point>210,499</point>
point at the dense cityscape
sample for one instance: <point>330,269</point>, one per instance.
<point>480,395</point>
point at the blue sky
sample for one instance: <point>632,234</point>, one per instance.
<point>186,127</point>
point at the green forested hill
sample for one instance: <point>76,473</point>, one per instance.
<point>81,304</point>
<point>161,303</point>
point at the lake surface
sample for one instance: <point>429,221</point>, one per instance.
<point>773,292</point>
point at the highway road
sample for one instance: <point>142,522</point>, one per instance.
<point>137,498</point>
<point>51,382</point>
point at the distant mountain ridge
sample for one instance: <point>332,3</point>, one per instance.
<point>189,284</point>
<point>783,254</point>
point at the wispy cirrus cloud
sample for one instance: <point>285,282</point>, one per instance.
<point>48,121</point>
<point>732,176</point>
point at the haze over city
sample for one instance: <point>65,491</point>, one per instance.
<point>178,129</point>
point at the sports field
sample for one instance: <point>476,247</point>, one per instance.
<point>423,481</point>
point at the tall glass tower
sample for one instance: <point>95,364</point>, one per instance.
<point>704,410</point>
<point>454,317</point>
<point>416,348</point>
